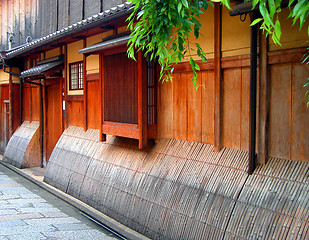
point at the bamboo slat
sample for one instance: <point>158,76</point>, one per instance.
<point>182,190</point>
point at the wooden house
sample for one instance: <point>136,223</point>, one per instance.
<point>166,160</point>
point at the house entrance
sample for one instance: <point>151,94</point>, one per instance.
<point>54,126</point>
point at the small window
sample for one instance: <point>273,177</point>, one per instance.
<point>76,76</point>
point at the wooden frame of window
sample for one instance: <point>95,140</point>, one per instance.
<point>76,77</point>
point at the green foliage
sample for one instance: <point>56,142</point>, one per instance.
<point>162,28</point>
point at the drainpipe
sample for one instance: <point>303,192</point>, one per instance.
<point>253,79</point>
<point>42,117</point>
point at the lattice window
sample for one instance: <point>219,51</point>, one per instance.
<point>76,76</point>
<point>152,92</point>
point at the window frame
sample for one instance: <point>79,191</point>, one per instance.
<point>80,78</point>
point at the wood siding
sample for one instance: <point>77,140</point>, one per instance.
<point>289,117</point>
<point>188,114</point>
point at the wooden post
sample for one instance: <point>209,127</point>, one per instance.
<point>43,82</point>
<point>101,79</point>
<point>264,90</point>
<point>142,102</point>
<point>66,84</point>
<point>217,76</point>
<point>85,87</point>
<point>10,105</point>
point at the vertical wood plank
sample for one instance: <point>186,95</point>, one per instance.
<point>244,111</point>
<point>231,107</point>
<point>280,107</point>
<point>263,120</point>
<point>180,115</point>
<point>142,102</point>
<point>300,114</point>
<point>217,75</point>
<point>208,107</point>
<point>194,109</point>
<point>165,110</point>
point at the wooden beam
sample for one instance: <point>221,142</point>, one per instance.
<point>142,101</point>
<point>218,77</point>
<point>101,75</point>
<point>85,88</point>
<point>264,95</point>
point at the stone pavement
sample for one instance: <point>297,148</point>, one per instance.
<point>29,212</point>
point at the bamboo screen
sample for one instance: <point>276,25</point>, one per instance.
<point>120,89</point>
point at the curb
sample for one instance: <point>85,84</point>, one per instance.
<point>92,212</point>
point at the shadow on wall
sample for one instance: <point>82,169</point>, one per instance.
<point>182,190</point>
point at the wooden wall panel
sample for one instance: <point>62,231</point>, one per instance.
<point>231,108</point>
<point>16,106</point>
<point>75,113</point>
<point>63,14</point>
<point>92,7</point>
<point>245,106</point>
<point>75,11</point>
<point>93,108</point>
<point>26,102</point>
<point>207,106</point>
<point>180,106</point>
<point>300,114</point>
<point>53,118</point>
<point>280,114</point>
<point>35,104</point>
<point>194,109</point>
<point>165,110</point>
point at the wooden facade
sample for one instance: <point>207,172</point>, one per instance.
<point>202,135</point>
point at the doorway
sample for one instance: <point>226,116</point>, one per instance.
<point>54,121</point>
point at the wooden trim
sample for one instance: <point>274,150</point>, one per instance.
<point>116,50</point>
<point>119,124</point>
<point>142,101</point>
<point>121,130</point>
<point>186,66</point>
<point>286,56</point>
<point>218,78</point>
<point>235,61</point>
<point>226,62</point>
<point>101,79</point>
<point>85,88</point>
<point>93,77</point>
<point>75,98</point>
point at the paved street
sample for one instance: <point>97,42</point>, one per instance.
<point>29,212</point>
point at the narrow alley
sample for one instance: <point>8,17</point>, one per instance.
<point>29,212</point>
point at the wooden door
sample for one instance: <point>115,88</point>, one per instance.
<point>53,129</point>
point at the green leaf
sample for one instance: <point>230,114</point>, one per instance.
<point>185,3</point>
<point>278,29</point>
<point>256,21</point>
